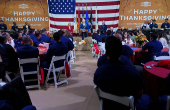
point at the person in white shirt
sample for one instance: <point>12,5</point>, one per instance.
<point>127,39</point>
<point>145,25</point>
<point>10,40</point>
<point>162,37</point>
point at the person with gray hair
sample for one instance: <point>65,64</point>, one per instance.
<point>44,37</point>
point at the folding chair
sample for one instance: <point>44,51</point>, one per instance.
<point>168,103</point>
<point>53,69</point>
<point>127,101</point>
<point>162,58</point>
<point>30,60</point>
<point>7,76</point>
<point>67,59</point>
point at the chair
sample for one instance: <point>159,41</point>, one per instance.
<point>168,103</point>
<point>58,69</point>
<point>94,41</point>
<point>127,101</point>
<point>162,58</point>
<point>30,60</point>
<point>7,76</point>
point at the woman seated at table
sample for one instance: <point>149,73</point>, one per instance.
<point>37,41</point>
<point>127,39</point>
<point>162,37</point>
<point>57,49</point>
<point>154,47</point>
<point>18,40</point>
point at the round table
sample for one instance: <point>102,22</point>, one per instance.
<point>154,79</point>
<point>42,53</point>
<point>136,59</point>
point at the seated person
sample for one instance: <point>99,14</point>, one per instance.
<point>10,40</point>
<point>26,26</point>
<point>2,25</point>
<point>32,33</point>
<point>96,33</point>
<point>57,49</point>
<point>99,37</point>
<point>108,33</point>
<point>162,37</point>
<point>27,51</point>
<point>127,39</point>
<point>123,80</point>
<point>154,47</point>
<point>134,34</point>
<point>25,32</point>
<point>8,54</point>
<point>68,35</point>
<point>102,46</point>
<point>37,41</point>
<point>18,40</point>
<point>15,27</point>
<point>45,38</point>
<point>127,51</point>
<point>64,40</point>
<point>2,68</point>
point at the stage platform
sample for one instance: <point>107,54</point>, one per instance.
<point>83,47</point>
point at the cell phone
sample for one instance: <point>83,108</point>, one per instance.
<point>148,67</point>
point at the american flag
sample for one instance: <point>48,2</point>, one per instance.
<point>61,12</point>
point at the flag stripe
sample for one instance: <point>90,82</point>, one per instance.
<point>102,11</point>
<point>72,19</point>
<point>98,3</point>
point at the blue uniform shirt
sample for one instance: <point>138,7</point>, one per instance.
<point>14,27</point>
<point>65,41</point>
<point>3,27</point>
<point>57,49</point>
<point>17,43</point>
<point>165,25</point>
<point>153,26</point>
<point>123,59</point>
<point>127,51</point>
<point>153,47</point>
<point>99,37</point>
<point>104,28</point>
<point>28,51</point>
<point>36,41</point>
<point>119,79</point>
<point>32,36</point>
<point>45,38</point>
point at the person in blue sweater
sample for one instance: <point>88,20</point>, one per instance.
<point>18,40</point>
<point>2,25</point>
<point>165,24</point>
<point>99,37</point>
<point>45,38</point>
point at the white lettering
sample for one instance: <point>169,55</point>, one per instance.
<point>16,13</point>
<point>46,18</point>
<point>24,19</point>
<point>141,12</point>
<point>135,17</point>
<point>16,19</point>
<point>33,13</point>
<point>20,19</point>
<point>35,19</point>
<point>11,19</point>
<point>150,11</point>
<point>154,11</point>
<point>145,18</point>
<point>164,17</point>
<point>24,13</point>
<point>28,19</point>
<point>130,18</point>
<point>119,16</point>
<point>20,13</point>
<point>140,17</point>
<point>145,11</point>
<point>125,18</point>
<point>149,17</point>
<point>136,11</point>
<point>7,19</point>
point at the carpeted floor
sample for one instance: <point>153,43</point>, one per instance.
<point>79,94</point>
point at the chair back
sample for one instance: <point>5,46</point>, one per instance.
<point>29,60</point>
<point>127,101</point>
<point>162,58</point>
<point>168,103</point>
<point>67,56</point>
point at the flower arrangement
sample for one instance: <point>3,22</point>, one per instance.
<point>49,34</point>
<point>141,39</point>
<point>22,43</point>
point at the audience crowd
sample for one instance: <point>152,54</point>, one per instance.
<point>115,74</point>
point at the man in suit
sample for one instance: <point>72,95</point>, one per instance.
<point>57,49</point>
<point>165,24</point>
<point>26,26</point>
<point>45,38</point>
<point>103,27</point>
<point>14,27</point>
<point>27,51</point>
<point>83,29</point>
<point>2,25</point>
<point>8,54</point>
